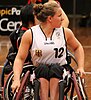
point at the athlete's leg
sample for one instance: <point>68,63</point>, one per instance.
<point>41,73</point>
<point>44,89</point>
<point>54,89</point>
<point>56,72</point>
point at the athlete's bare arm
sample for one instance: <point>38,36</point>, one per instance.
<point>20,58</point>
<point>77,48</point>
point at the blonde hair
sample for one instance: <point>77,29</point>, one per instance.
<point>42,11</point>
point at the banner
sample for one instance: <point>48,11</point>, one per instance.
<point>9,19</point>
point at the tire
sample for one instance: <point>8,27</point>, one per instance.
<point>80,83</point>
<point>78,92</point>
<point>7,92</point>
<point>22,90</point>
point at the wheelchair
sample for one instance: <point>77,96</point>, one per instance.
<point>71,88</point>
<point>15,39</point>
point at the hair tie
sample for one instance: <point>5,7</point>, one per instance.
<point>29,1</point>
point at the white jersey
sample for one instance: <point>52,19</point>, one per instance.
<point>48,50</point>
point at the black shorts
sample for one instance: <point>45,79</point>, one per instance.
<point>51,71</point>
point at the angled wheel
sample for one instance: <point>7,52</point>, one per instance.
<point>77,86</point>
<point>7,93</point>
<point>24,91</point>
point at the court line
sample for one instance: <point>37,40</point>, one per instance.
<point>87,72</point>
<point>87,47</point>
<point>1,66</point>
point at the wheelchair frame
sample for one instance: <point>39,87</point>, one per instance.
<point>75,84</point>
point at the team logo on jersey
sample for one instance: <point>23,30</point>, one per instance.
<point>58,34</point>
<point>38,53</point>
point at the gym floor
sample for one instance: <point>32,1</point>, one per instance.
<point>83,34</point>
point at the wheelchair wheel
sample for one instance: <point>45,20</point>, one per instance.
<point>7,92</point>
<point>23,93</point>
<point>33,88</point>
<point>77,90</point>
<point>7,68</point>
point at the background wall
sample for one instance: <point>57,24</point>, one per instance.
<point>82,6</point>
<point>75,9</point>
<point>13,2</point>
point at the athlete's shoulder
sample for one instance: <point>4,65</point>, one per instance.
<point>68,31</point>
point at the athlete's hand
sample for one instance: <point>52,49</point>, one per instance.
<point>15,85</point>
<point>81,72</point>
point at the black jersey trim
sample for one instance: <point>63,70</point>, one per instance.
<point>65,44</point>
<point>32,38</point>
<point>44,33</point>
<point>52,34</point>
